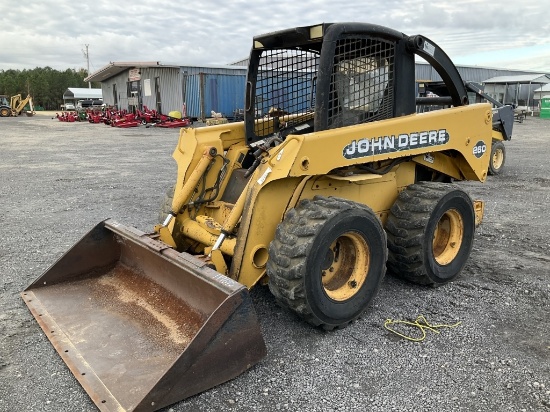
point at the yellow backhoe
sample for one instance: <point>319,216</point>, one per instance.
<point>331,178</point>
<point>16,106</point>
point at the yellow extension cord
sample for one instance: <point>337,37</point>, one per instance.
<point>420,323</point>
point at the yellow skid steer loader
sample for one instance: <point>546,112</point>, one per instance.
<point>331,177</point>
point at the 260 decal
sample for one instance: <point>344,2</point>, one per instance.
<point>479,149</point>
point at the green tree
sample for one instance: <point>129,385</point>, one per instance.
<point>44,84</point>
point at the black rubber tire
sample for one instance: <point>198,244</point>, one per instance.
<point>4,112</point>
<point>166,204</point>
<point>498,157</point>
<point>411,225</point>
<point>300,249</point>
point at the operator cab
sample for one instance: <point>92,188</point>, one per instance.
<point>310,79</point>
<point>325,77</point>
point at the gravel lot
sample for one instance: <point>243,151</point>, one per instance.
<point>59,179</point>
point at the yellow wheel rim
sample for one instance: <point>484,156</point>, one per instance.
<point>498,158</point>
<point>346,266</point>
<point>448,237</point>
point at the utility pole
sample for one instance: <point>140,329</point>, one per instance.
<point>87,55</point>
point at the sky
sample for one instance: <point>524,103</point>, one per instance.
<point>512,34</point>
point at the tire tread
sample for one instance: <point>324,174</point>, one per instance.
<point>290,247</point>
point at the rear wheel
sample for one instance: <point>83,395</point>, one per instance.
<point>4,112</point>
<point>327,260</point>
<point>498,157</point>
<point>430,233</point>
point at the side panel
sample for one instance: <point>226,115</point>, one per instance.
<point>268,203</point>
<point>465,130</point>
<point>377,192</point>
<point>263,212</point>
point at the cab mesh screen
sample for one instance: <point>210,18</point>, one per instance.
<point>285,85</point>
<point>361,84</point>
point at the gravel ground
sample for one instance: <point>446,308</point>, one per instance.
<point>60,179</point>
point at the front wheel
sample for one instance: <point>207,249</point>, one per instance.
<point>498,157</point>
<point>327,260</point>
<point>4,112</point>
<point>430,233</point>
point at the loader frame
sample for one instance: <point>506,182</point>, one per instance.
<point>383,150</point>
<point>297,169</point>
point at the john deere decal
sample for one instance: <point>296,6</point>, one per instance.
<point>387,144</point>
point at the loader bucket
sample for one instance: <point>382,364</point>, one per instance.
<point>140,325</point>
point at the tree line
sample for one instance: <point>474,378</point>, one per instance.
<point>44,84</point>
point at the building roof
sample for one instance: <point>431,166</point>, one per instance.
<point>114,68</point>
<point>82,93</point>
<point>542,89</point>
<point>538,78</point>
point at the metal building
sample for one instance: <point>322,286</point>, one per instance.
<point>194,90</point>
<point>504,85</point>
<point>542,92</point>
<point>518,86</point>
<point>199,90</point>
<point>425,71</point>
<point>518,90</point>
<point>73,94</point>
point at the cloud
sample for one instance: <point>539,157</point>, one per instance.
<point>38,34</point>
